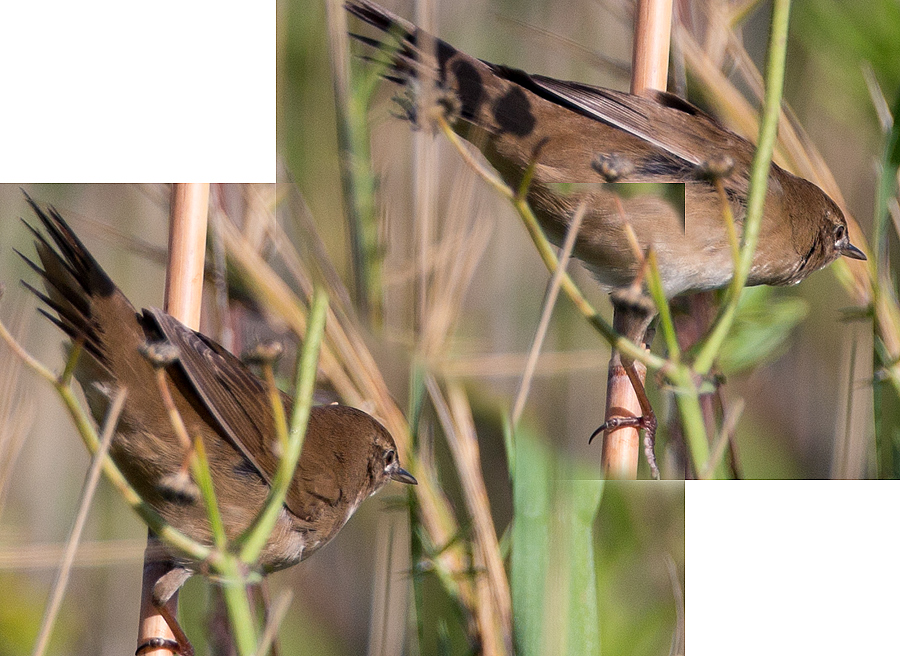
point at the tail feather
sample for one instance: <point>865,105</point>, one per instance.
<point>473,91</point>
<point>384,20</point>
<point>84,271</point>
<point>403,50</point>
<point>399,60</point>
<point>73,280</point>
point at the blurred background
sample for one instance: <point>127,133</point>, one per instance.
<point>809,402</point>
<point>803,369</point>
<point>354,596</point>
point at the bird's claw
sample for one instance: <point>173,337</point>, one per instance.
<point>647,423</point>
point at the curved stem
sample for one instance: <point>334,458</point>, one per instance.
<point>759,177</point>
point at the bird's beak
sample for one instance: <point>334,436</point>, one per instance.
<point>402,476</point>
<point>849,250</point>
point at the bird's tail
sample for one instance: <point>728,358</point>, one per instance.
<point>409,55</point>
<point>399,45</point>
<point>86,301</point>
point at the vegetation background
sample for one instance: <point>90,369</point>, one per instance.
<point>798,402</point>
<point>640,527</point>
<point>796,423</point>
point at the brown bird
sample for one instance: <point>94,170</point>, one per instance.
<point>571,132</point>
<point>347,455</point>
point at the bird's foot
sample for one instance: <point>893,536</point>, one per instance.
<point>647,423</point>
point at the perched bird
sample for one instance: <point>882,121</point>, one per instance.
<point>574,132</point>
<point>347,455</point>
<point>569,132</point>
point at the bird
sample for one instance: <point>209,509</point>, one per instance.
<point>560,131</point>
<point>347,454</point>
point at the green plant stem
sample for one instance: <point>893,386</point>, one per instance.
<point>169,535</point>
<point>256,537</point>
<point>687,394</point>
<point>233,580</point>
<point>759,176</point>
<point>655,287</point>
<point>687,399</point>
<point>203,479</point>
<point>231,571</point>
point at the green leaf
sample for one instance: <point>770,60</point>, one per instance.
<point>530,539</point>
<point>761,329</point>
<point>582,498</point>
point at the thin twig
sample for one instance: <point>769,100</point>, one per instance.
<point>277,613</point>
<point>546,312</point>
<point>729,425</point>
<point>455,418</point>
<point>87,496</point>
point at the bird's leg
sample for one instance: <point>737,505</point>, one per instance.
<point>626,395</point>
<point>180,646</point>
<point>647,420</point>
<point>169,578</point>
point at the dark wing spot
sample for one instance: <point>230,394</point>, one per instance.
<point>444,52</point>
<point>513,114</point>
<point>470,88</point>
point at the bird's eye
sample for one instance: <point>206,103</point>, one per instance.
<point>389,457</point>
<point>839,231</point>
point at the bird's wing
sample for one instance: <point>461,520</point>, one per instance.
<point>644,117</point>
<point>234,397</point>
<point>237,400</point>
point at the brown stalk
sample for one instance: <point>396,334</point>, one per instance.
<point>184,289</point>
<point>494,611</point>
<point>187,251</point>
<point>650,59</point>
<point>653,21</point>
